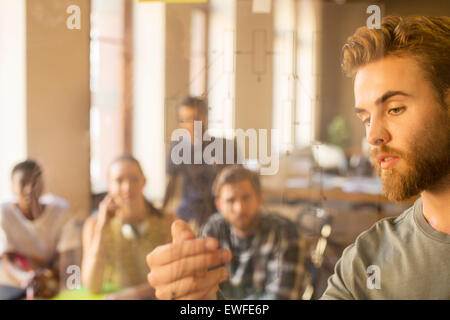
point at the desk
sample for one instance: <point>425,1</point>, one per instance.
<point>335,194</point>
<point>354,190</point>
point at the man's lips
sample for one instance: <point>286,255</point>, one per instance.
<point>387,161</point>
<point>241,217</point>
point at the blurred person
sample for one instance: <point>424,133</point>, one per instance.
<point>197,200</point>
<point>117,238</point>
<point>42,239</point>
<point>264,246</point>
<point>402,95</point>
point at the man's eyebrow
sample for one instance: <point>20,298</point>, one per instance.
<point>390,94</point>
<point>359,110</point>
<point>383,98</point>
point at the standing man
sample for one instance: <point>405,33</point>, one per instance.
<point>197,200</point>
<point>402,95</point>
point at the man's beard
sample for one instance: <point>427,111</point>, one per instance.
<point>427,164</point>
<point>248,225</point>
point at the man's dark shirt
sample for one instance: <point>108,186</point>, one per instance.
<point>266,265</point>
<point>197,200</point>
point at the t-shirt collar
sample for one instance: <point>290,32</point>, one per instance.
<point>424,226</point>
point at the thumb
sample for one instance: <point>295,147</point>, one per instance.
<point>181,231</point>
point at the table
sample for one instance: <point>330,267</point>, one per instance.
<point>356,190</point>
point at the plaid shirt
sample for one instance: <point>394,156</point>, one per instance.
<point>266,265</point>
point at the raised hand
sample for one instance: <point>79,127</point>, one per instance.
<point>106,210</point>
<point>187,268</point>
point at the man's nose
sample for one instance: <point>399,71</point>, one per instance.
<point>376,133</point>
<point>126,186</point>
<point>238,206</point>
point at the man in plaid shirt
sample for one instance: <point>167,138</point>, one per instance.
<point>265,248</point>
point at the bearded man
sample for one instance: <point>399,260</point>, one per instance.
<point>402,95</point>
<point>402,80</point>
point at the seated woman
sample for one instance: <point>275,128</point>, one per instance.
<point>118,237</point>
<point>40,234</point>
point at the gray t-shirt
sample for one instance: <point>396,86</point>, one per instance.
<point>397,258</point>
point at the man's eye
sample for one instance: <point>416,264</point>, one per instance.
<point>366,122</point>
<point>396,111</point>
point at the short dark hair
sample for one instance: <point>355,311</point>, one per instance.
<point>27,167</point>
<point>128,157</point>
<point>197,103</point>
<point>233,174</point>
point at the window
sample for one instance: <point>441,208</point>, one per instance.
<point>12,89</point>
<point>107,73</point>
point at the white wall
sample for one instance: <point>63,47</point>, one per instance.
<point>12,88</point>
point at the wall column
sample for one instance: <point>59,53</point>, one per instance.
<point>58,98</point>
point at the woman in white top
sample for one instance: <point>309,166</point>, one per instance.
<point>40,237</point>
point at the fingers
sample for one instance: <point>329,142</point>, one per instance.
<point>189,266</point>
<point>108,207</point>
<point>172,252</point>
<point>103,206</point>
<point>181,231</point>
<point>191,284</point>
<point>113,205</point>
<point>36,174</point>
<point>179,270</point>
